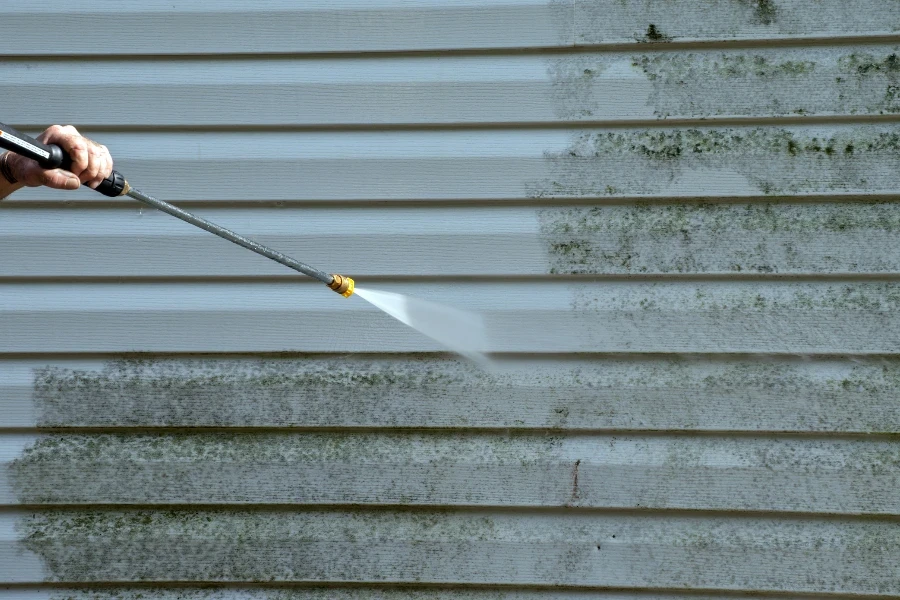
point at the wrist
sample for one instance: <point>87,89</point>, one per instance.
<point>8,179</point>
<point>5,169</point>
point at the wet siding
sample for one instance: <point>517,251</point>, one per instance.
<point>678,219</point>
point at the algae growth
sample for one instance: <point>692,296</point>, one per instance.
<point>729,161</point>
<point>722,237</point>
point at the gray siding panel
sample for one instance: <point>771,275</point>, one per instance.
<point>552,317</point>
<point>456,469</point>
<point>611,21</point>
<point>138,27</point>
<point>639,85</point>
<point>773,554</point>
<point>678,219</point>
<point>677,393</point>
<point>508,164</point>
<point>760,238</point>
<point>236,27</point>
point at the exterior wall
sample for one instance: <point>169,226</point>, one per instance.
<point>678,218</point>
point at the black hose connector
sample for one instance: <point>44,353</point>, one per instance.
<point>113,186</point>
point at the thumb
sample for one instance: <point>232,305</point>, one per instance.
<point>60,179</point>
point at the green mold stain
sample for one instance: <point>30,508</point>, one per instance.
<point>654,35</point>
<point>687,68</point>
<point>864,64</point>
<point>673,238</point>
<point>583,395</point>
<point>763,83</point>
<point>304,593</point>
<point>236,545</point>
<point>297,392</point>
<point>776,161</point>
<point>216,467</point>
<point>869,297</point>
<point>765,11</point>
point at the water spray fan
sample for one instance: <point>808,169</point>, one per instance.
<point>50,156</point>
<point>461,331</point>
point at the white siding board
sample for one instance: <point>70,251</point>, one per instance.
<point>133,242</point>
<point>294,93</point>
<point>236,27</point>
<point>511,89</point>
<point>474,547</point>
<point>740,317</point>
<point>15,557</point>
<point>522,164</point>
<point>12,447</point>
<point>386,25</point>
<point>17,395</point>
<point>827,238</point>
<point>595,471</point>
<point>325,166</point>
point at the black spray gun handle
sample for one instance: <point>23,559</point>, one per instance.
<point>51,156</point>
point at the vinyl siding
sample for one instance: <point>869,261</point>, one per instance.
<point>678,219</point>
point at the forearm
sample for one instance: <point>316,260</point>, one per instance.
<point>7,188</point>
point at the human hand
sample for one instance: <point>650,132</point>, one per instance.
<point>91,162</point>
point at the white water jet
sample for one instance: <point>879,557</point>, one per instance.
<point>461,331</point>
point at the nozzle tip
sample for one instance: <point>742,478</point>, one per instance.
<point>342,285</point>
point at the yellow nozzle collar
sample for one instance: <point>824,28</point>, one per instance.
<point>342,285</point>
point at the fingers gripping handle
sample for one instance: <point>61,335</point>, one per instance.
<point>112,186</point>
<point>50,156</point>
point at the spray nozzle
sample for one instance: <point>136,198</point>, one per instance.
<point>342,285</point>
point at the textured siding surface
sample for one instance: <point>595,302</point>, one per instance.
<point>678,218</point>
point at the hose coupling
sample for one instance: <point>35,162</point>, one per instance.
<point>342,285</point>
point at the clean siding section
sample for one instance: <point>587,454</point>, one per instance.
<point>281,26</point>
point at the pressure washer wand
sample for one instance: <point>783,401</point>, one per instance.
<point>335,282</point>
<point>50,156</point>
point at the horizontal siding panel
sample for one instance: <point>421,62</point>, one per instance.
<point>337,593</point>
<point>553,317</point>
<point>763,82</point>
<point>506,164</point>
<point>596,471</point>
<point>828,238</point>
<point>656,551</point>
<point>394,25</point>
<point>616,21</point>
<point>764,394</point>
<point>364,241</point>
<point>282,26</point>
